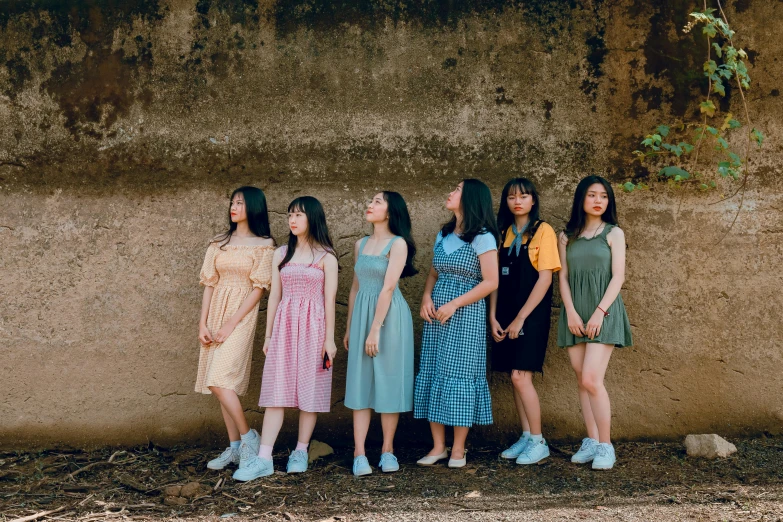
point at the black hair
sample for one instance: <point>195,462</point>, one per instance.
<point>576,224</point>
<point>505,216</point>
<point>400,225</point>
<point>256,211</point>
<point>477,216</point>
<point>317,231</point>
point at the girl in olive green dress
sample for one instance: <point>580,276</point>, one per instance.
<point>593,320</point>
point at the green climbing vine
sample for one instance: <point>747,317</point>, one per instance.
<point>678,148</point>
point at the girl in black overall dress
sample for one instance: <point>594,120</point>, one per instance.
<point>520,310</point>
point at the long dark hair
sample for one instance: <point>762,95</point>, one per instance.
<point>576,225</point>
<point>317,231</point>
<point>505,216</point>
<point>257,215</point>
<point>400,225</point>
<point>477,216</point>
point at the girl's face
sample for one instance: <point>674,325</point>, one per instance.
<point>596,200</point>
<point>518,203</point>
<point>297,222</point>
<point>455,198</point>
<point>238,211</point>
<point>378,209</point>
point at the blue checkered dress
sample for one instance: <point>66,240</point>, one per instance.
<point>451,386</point>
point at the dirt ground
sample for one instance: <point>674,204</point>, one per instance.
<point>652,481</point>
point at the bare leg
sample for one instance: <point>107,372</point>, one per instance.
<point>523,385</point>
<point>233,431</point>
<point>577,355</point>
<point>389,423</point>
<point>306,425</point>
<point>231,406</point>
<point>361,425</point>
<point>460,436</point>
<point>273,421</point>
<point>520,407</point>
<point>438,439</point>
<point>593,370</point>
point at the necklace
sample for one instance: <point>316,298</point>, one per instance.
<point>595,232</point>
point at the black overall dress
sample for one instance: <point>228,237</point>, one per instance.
<point>517,279</point>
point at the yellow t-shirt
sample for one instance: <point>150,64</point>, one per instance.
<point>543,248</point>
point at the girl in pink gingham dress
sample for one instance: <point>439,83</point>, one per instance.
<point>300,337</point>
<point>293,373</point>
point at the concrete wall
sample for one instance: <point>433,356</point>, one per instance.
<point>124,126</point>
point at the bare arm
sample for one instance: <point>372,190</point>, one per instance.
<point>575,324</point>
<point>250,302</point>
<point>497,331</point>
<point>427,311</point>
<point>275,296</point>
<point>352,297</point>
<point>330,296</point>
<point>397,257</point>
<point>204,335</point>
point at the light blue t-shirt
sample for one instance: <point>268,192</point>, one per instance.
<point>481,243</point>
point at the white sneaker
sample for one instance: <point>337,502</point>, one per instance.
<point>604,456</point>
<point>229,456</point>
<point>249,449</point>
<point>517,448</point>
<point>534,452</point>
<point>586,453</point>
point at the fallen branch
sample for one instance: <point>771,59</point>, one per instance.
<point>237,499</point>
<point>99,463</point>
<point>36,516</point>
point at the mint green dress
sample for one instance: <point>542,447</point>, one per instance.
<point>589,272</point>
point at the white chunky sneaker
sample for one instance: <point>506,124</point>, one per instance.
<point>534,452</point>
<point>517,448</point>
<point>586,453</point>
<point>230,456</point>
<point>604,456</point>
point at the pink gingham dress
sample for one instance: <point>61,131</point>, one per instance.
<point>293,372</point>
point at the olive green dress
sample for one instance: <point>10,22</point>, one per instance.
<point>589,272</point>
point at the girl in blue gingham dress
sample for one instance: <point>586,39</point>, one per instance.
<point>451,386</point>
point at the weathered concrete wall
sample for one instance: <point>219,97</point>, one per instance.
<point>125,124</point>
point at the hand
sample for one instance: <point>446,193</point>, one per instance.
<point>347,337</point>
<point>329,349</point>
<point>445,312</point>
<point>204,337</point>
<point>266,345</point>
<point>594,324</point>
<point>427,311</point>
<point>224,332</point>
<point>498,334</point>
<point>575,324</point>
<point>515,327</point>
<point>371,344</point>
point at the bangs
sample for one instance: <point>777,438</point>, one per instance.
<point>521,186</point>
<point>297,205</point>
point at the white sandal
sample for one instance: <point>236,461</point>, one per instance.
<point>429,460</point>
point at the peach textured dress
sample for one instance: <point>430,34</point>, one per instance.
<point>234,271</point>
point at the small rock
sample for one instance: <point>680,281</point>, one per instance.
<point>319,449</point>
<point>173,491</point>
<point>708,446</point>
<point>175,501</point>
<point>192,490</point>
<point>473,494</point>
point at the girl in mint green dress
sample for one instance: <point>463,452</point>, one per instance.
<point>593,320</point>
<point>379,333</point>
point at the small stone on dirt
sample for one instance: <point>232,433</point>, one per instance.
<point>175,501</point>
<point>709,446</point>
<point>173,491</point>
<point>192,490</point>
<point>473,494</point>
<point>319,449</point>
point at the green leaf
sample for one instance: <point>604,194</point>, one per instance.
<point>712,130</point>
<point>717,48</point>
<point>709,30</point>
<point>704,186</point>
<point>733,124</point>
<point>757,136</point>
<point>736,161</point>
<point>663,130</point>
<point>713,184</point>
<point>722,144</point>
<point>628,186</point>
<point>707,107</point>
<point>717,87</point>
<point>686,147</point>
<point>710,67</point>
<point>674,171</point>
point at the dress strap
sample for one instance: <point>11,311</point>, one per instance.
<point>361,245</point>
<point>319,257</point>
<point>607,228</point>
<point>388,246</point>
